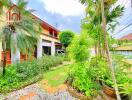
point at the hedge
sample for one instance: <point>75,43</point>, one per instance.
<point>22,74</point>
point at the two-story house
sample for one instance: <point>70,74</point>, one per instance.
<point>125,48</point>
<point>47,44</point>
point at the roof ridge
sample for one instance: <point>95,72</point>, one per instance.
<point>126,37</point>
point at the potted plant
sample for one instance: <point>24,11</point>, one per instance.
<point>108,89</point>
<point>103,75</point>
<point>124,83</point>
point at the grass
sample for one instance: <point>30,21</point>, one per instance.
<point>57,76</point>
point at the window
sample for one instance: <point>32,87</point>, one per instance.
<point>51,33</point>
<point>55,35</point>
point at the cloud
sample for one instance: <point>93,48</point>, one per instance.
<point>64,7</point>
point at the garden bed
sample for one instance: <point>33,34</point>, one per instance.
<point>81,96</point>
<point>23,74</point>
<point>109,90</point>
<point>78,95</point>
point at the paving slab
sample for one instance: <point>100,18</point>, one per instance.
<point>34,92</point>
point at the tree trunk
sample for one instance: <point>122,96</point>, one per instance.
<point>96,52</point>
<point>4,59</point>
<point>99,46</point>
<point>107,51</point>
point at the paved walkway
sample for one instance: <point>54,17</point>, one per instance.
<point>34,92</point>
<point>44,91</point>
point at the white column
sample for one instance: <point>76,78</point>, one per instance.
<point>15,53</point>
<point>53,48</point>
<point>39,49</point>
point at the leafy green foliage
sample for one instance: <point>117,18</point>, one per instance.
<point>79,48</point>
<point>22,74</point>
<point>83,79</point>
<point>103,73</point>
<point>100,68</point>
<point>66,37</point>
<point>92,21</point>
<point>81,72</point>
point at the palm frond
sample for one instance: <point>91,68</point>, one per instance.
<point>117,12</point>
<point>22,4</point>
<point>27,31</point>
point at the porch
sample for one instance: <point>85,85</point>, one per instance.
<point>43,47</point>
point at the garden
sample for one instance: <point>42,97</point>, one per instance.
<point>87,75</point>
<point>19,75</point>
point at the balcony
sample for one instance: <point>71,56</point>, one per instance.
<point>51,35</point>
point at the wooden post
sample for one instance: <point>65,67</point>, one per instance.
<point>107,50</point>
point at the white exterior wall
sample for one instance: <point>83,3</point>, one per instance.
<point>53,48</point>
<point>15,56</point>
<point>46,44</point>
<point>40,47</point>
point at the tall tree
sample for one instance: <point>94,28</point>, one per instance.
<point>22,35</point>
<point>66,37</point>
<point>99,12</point>
<point>93,18</point>
<point>107,50</point>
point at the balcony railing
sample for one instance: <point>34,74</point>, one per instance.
<point>50,36</point>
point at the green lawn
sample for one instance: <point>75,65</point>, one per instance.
<point>57,76</point>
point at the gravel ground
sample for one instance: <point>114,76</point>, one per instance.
<point>34,92</point>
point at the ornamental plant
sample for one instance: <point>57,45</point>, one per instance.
<point>79,50</point>
<point>66,37</point>
<point>82,74</point>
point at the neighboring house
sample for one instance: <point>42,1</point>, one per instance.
<point>48,42</point>
<point>126,47</point>
<point>127,37</point>
<point>124,50</point>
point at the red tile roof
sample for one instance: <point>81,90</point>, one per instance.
<point>127,37</point>
<point>45,25</point>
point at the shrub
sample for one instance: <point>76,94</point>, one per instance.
<point>79,49</point>
<point>25,73</point>
<point>1,71</point>
<point>28,69</point>
<point>66,37</point>
<point>100,67</point>
<point>47,62</point>
<point>84,80</point>
<point>103,73</point>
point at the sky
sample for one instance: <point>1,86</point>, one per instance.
<point>63,14</point>
<point>124,20</point>
<point>67,14</point>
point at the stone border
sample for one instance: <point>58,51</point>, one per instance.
<point>75,94</point>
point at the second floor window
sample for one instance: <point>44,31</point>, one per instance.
<point>51,33</point>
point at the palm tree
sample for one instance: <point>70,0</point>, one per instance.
<point>107,50</point>
<point>99,11</point>
<point>19,36</point>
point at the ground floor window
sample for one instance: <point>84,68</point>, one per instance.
<point>46,50</point>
